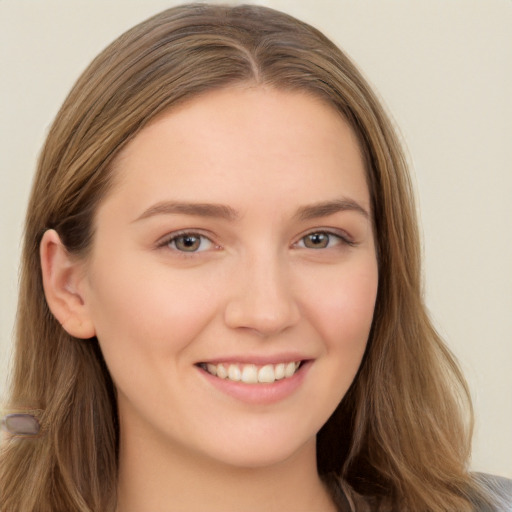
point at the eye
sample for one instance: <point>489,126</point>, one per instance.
<point>189,242</point>
<point>321,240</point>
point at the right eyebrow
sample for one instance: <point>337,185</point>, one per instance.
<point>219,211</point>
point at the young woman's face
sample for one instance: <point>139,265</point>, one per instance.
<point>233,275</point>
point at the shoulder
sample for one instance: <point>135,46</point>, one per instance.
<point>500,489</point>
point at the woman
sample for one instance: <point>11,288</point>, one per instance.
<point>220,300</point>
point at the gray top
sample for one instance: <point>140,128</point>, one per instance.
<point>500,489</point>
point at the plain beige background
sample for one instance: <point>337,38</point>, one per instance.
<point>443,69</point>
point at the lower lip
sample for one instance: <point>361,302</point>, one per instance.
<point>262,393</point>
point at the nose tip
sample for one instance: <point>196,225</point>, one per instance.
<point>265,323</point>
<point>265,306</point>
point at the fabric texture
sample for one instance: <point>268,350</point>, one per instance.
<point>347,500</point>
<point>499,487</point>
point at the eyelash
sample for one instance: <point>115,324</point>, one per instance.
<point>168,242</point>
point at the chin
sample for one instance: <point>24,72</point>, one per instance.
<point>264,451</point>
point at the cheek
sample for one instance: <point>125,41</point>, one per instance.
<point>340,308</point>
<point>343,309</point>
<point>147,314</point>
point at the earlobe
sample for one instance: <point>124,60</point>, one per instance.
<point>62,275</point>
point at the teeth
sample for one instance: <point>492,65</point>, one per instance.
<point>221,371</point>
<point>251,374</point>
<point>266,373</point>
<point>290,369</point>
<point>279,371</point>
<point>234,372</point>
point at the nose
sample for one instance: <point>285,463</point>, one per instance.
<point>262,298</point>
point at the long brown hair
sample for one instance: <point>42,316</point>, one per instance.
<point>401,436</point>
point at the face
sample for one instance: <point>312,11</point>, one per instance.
<point>233,275</point>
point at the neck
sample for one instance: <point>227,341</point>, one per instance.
<point>164,478</point>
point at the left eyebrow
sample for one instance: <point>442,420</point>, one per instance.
<point>325,208</point>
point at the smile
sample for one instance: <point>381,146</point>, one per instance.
<point>252,373</point>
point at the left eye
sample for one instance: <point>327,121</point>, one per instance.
<point>319,240</point>
<point>189,242</point>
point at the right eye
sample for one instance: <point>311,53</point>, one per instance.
<point>189,242</point>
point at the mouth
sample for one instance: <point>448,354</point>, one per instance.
<point>252,373</point>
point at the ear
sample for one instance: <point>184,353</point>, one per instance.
<point>63,277</point>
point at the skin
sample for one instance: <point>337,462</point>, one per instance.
<point>254,290</point>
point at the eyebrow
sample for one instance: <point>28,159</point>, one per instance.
<point>220,211</point>
<point>326,208</point>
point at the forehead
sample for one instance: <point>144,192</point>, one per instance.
<point>275,144</point>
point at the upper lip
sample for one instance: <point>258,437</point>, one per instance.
<point>257,359</point>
